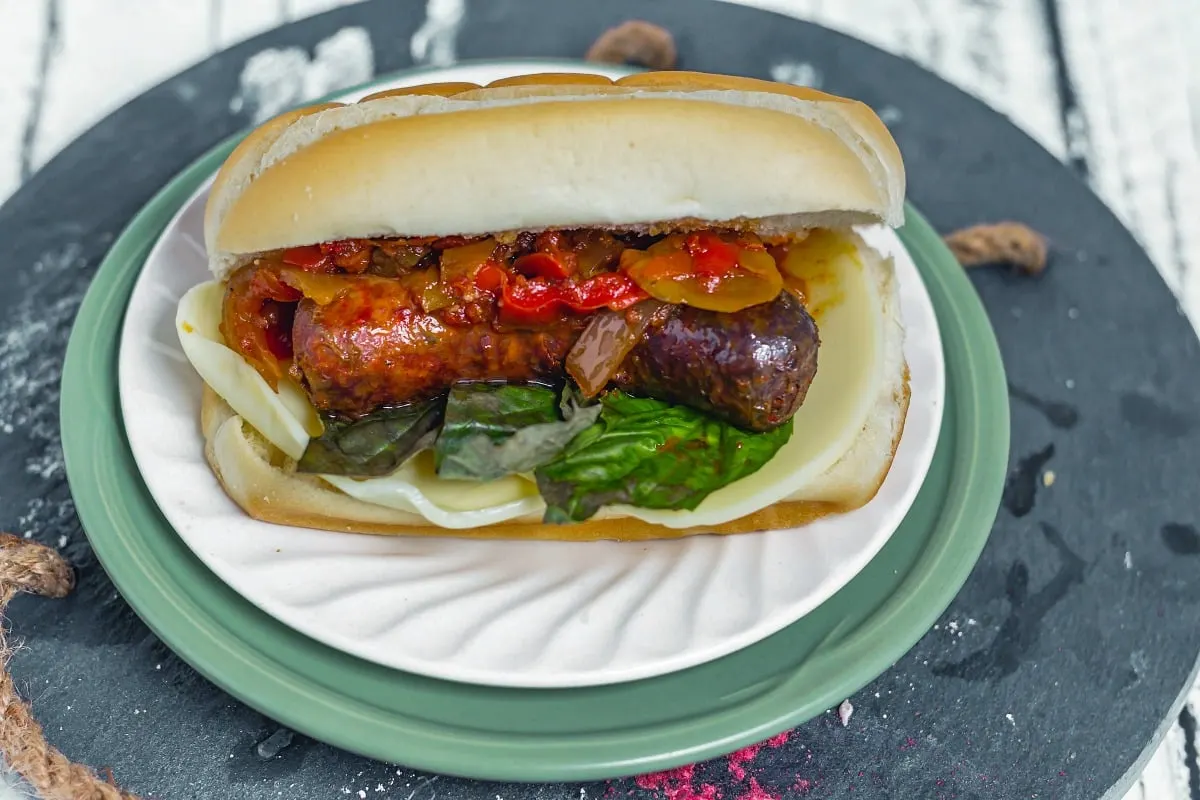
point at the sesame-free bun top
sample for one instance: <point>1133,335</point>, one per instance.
<point>555,151</point>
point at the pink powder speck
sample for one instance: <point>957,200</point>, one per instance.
<point>677,784</point>
<point>779,740</point>
<point>909,743</point>
<point>756,792</point>
<point>743,756</point>
<point>740,758</point>
<point>803,785</point>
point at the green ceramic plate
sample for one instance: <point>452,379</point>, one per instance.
<point>529,734</point>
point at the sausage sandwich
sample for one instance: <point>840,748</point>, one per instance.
<point>554,307</point>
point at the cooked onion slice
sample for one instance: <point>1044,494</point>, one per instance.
<point>604,343</point>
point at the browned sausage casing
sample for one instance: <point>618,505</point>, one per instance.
<point>751,368</point>
<point>365,350</point>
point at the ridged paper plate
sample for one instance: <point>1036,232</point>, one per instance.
<point>535,614</point>
<point>534,734</point>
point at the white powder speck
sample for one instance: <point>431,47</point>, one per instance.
<point>62,542</point>
<point>1139,662</point>
<point>797,73</point>
<point>971,621</point>
<point>1048,478</point>
<point>361,794</point>
<point>32,339</point>
<point>1009,717</point>
<point>1128,560</point>
<point>1070,383</point>
<point>278,78</point>
<point>890,115</point>
<point>936,628</point>
<point>345,790</point>
<point>379,787</point>
<point>844,712</point>
<point>434,43</point>
<point>952,626</point>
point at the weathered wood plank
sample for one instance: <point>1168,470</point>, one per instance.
<point>91,74</point>
<point>997,51</point>
<point>1165,774</point>
<point>296,9</point>
<point>21,69</point>
<point>232,21</point>
<point>1130,71</point>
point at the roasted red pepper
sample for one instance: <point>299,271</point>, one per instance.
<point>541,265</point>
<point>350,255</point>
<point>537,300</point>
<point>310,257</point>
<point>710,254</point>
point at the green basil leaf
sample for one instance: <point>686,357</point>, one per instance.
<point>374,445</point>
<point>493,430</point>
<point>650,454</point>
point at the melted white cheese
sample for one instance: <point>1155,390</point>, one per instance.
<point>284,418</point>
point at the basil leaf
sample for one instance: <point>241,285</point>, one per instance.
<point>650,454</point>
<point>493,430</point>
<point>373,445</point>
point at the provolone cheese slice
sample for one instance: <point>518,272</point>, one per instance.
<point>417,489</point>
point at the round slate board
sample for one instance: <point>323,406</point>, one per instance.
<point>1053,673</point>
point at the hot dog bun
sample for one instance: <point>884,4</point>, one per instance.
<point>541,151</point>
<point>654,151</point>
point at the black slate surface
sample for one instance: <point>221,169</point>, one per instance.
<point>1055,669</point>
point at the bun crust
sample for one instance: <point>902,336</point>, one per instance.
<point>545,151</point>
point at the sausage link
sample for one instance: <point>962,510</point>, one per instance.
<point>365,350</point>
<point>751,368</point>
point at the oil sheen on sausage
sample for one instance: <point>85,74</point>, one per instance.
<point>364,350</point>
<point>751,368</point>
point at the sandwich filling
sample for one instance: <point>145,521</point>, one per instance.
<point>606,367</point>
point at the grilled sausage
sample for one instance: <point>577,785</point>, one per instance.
<point>366,349</point>
<point>361,351</point>
<point>751,368</point>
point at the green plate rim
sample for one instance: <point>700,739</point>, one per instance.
<point>239,648</point>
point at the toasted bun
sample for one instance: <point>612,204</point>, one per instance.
<point>542,151</point>
<point>259,479</point>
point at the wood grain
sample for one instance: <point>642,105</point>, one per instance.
<point>21,87</point>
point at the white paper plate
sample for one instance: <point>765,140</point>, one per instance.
<point>530,614</point>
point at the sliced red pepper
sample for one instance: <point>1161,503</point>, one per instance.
<point>710,254</point>
<point>530,301</point>
<point>541,265</point>
<point>310,257</point>
<point>489,278</point>
<point>352,255</point>
<point>538,300</point>
<point>613,290</point>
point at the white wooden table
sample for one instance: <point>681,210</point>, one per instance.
<point>1112,87</point>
